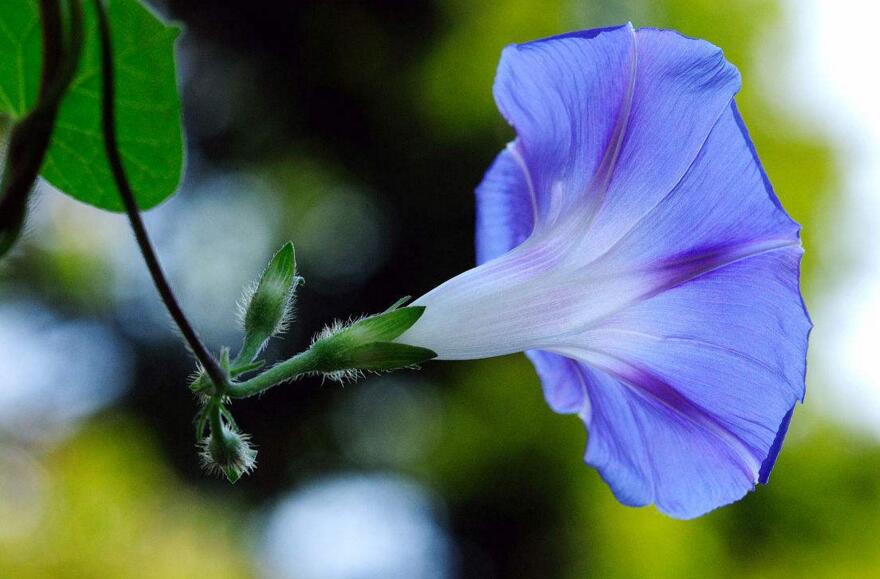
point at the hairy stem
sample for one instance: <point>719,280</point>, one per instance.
<point>208,362</point>
<point>292,368</point>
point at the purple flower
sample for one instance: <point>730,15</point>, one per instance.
<point>631,244</point>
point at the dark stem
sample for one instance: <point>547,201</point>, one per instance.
<point>29,138</point>
<point>208,362</point>
<point>53,52</point>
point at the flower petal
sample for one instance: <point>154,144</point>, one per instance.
<point>648,451</point>
<point>770,461</point>
<point>648,269</point>
<point>505,218</point>
<point>724,331</point>
<point>608,121</point>
<point>682,87</point>
<point>723,207</point>
<point>565,387</point>
<point>697,385</point>
<point>504,208</point>
<point>568,99</point>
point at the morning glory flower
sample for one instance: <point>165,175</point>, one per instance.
<point>630,243</point>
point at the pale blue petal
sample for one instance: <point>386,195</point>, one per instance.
<point>505,220</point>
<point>651,451</point>
<point>726,324</point>
<point>686,199</point>
<point>721,209</point>
<point>565,387</point>
<point>683,86</point>
<point>567,98</point>
<point>721,357</point>
<point>504,209</point>
<point>507,199</point>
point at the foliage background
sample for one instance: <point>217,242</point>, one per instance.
<point>359,130</point>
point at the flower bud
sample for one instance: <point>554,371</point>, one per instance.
<point>267,305</point>
<point>229,453</point>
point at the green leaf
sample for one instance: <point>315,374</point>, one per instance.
<point>19,57</point>
<point>201,421</point>
<point>147,103</point>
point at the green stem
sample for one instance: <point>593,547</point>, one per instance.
<point>292,368</point>
<point>214,419</point>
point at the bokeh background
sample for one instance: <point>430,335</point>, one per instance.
<point>359,130</point>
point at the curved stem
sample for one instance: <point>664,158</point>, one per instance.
<point>208,362</point>
<point>292,368</point>
<point>29,139</point>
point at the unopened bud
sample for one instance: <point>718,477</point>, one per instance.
<point>267,305</point>
<point>228,453</point>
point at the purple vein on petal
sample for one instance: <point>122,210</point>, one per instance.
<point>598,187</point>
<point>657,390</point>
<point>680,269</point>
<point>690,340</point>
<point>645,217</point>
<point>594,194</point>
<point>692,264</point>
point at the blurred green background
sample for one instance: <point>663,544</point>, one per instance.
<point>358,131</point>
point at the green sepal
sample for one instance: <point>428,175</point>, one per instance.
<point>232,475</point>
<point>384,356</point>
<point>367,344</point>
<point>244,369</point>
<point>383,327</point>
<point>200,384</point>
<point>398,304</point>
<point>226,450</point>
<point>224,359</point>
<point>201,421</point>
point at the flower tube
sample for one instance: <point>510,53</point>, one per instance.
<point>630,243</point>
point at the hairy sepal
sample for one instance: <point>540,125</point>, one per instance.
<point>367,344</point>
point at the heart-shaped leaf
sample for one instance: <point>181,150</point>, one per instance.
<point>147,103</point>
